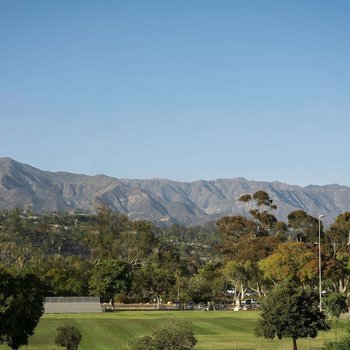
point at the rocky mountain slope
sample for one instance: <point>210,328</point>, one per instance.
<point>159,200</point>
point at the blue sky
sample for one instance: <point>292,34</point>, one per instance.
<point>185,89</point>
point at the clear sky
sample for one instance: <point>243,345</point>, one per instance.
<point>179,89</point>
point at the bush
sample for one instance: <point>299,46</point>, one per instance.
<point>144,343</point>
<point>172,335</point>
<point>68,336</point>
<point>335,304</point>
<point>343,344</point>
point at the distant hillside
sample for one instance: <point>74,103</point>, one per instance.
<point>159,200</point>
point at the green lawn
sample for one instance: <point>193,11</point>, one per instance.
<point>215,330</point>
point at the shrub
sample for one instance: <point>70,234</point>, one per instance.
<point>172,335</point>
<point>68,336</point>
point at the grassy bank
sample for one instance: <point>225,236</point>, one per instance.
<point>215,330</point>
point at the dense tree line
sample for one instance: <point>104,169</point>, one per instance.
<point>107,254</point>
<point>104,254</point>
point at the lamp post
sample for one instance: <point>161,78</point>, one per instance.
<point>320,216</point>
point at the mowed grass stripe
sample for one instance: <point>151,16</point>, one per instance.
<point>215,330</point>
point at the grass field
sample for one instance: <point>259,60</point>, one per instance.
<point>215,330</point>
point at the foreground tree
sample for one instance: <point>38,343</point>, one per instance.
<point>68,336</point>
<point>290,312</point>
<point>21,306</point>
<point>172,335</point>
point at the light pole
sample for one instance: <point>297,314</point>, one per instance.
<point>320,216</point>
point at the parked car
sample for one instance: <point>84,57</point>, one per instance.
<point>190,305</point>
<point>249,304</point>
<point>203,306</point>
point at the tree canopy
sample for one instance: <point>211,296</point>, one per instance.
<point>107,254</point>
<point>109,277</point>
<point>294,261</point>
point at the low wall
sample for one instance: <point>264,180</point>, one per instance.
<point>72,305</point>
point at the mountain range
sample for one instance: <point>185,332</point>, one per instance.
<point>160,200</point>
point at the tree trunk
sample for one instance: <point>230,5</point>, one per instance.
<point>295,344</point>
